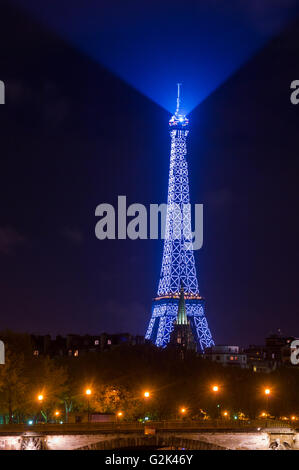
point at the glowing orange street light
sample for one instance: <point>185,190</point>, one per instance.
<point>225,413</point>
<point>293,418</point>
<point>120,414</point>
<point>215,389</point>
<point>267,392</point>
<point>88,393</point>
<point>57,413</point>
<point>40,397</point>
<point>183,410</point>
<point>146,394</point>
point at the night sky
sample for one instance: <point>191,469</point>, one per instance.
<point>82,124</point>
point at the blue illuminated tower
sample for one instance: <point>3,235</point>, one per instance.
<point>178,265</point>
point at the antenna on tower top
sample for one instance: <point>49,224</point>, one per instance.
<point>178,98</point>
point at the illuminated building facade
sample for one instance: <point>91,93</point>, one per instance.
<point>178,265</point>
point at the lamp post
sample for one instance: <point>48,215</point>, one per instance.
<point>40,398</point>
<point>267,394</point>
<point>88,393</point>
<point>183,411</point>
<point>216,390</point>
<point>57,413</point>
<point>147,396</point>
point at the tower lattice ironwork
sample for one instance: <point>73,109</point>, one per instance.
<point>178,265</point>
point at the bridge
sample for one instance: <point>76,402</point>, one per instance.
<point>174,435</point>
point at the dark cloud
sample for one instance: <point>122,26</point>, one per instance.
<point>122,315</point>
<point>73,234</point>
<point>9,239</point>
<point>219,199</point>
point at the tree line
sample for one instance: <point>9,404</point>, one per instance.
<point>118,378</point>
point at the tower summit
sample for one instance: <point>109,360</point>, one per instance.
<point>178,265</point>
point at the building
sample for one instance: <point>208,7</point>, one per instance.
<point>74,345</point>
<point>178,264</point>
<point>226,356</point>
<point>274,354</point>
<point>256,359</point>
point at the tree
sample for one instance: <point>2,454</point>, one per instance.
<point>14,381</point>
<point>49,381</point>
<point>13,384</point>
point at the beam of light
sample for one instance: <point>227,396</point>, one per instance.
<point>153,44</point>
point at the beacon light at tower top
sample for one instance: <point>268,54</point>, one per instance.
<point>178,119</point>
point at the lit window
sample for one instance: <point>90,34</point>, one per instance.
<point>96,342</point>
<point>35,352</point>
<point>76,353</point>
<point>109,341</point>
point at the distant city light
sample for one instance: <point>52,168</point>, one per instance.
<point>183,410</point>
<point>88,391</point>
<point>119,414</point>
<point>40,397</point>
<point>267,391</point>
<point>30,422</point>
<point>215,388</point>
<point>146,394</point>
<point>146,418</point>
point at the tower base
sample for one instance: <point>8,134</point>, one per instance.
<point>164,314</point>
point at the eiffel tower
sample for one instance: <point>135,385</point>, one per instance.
<point>178,265</point>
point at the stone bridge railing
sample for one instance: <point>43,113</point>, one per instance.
<point>175,425</point>
<point>215,435</point>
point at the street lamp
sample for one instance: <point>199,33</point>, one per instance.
<point>267,392</point>
<point>183,410</point>
<point>56,413</point>
<point>146,394</point>
<point>40,398</point>
<point>215,390</point>
<point>88,393</point>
